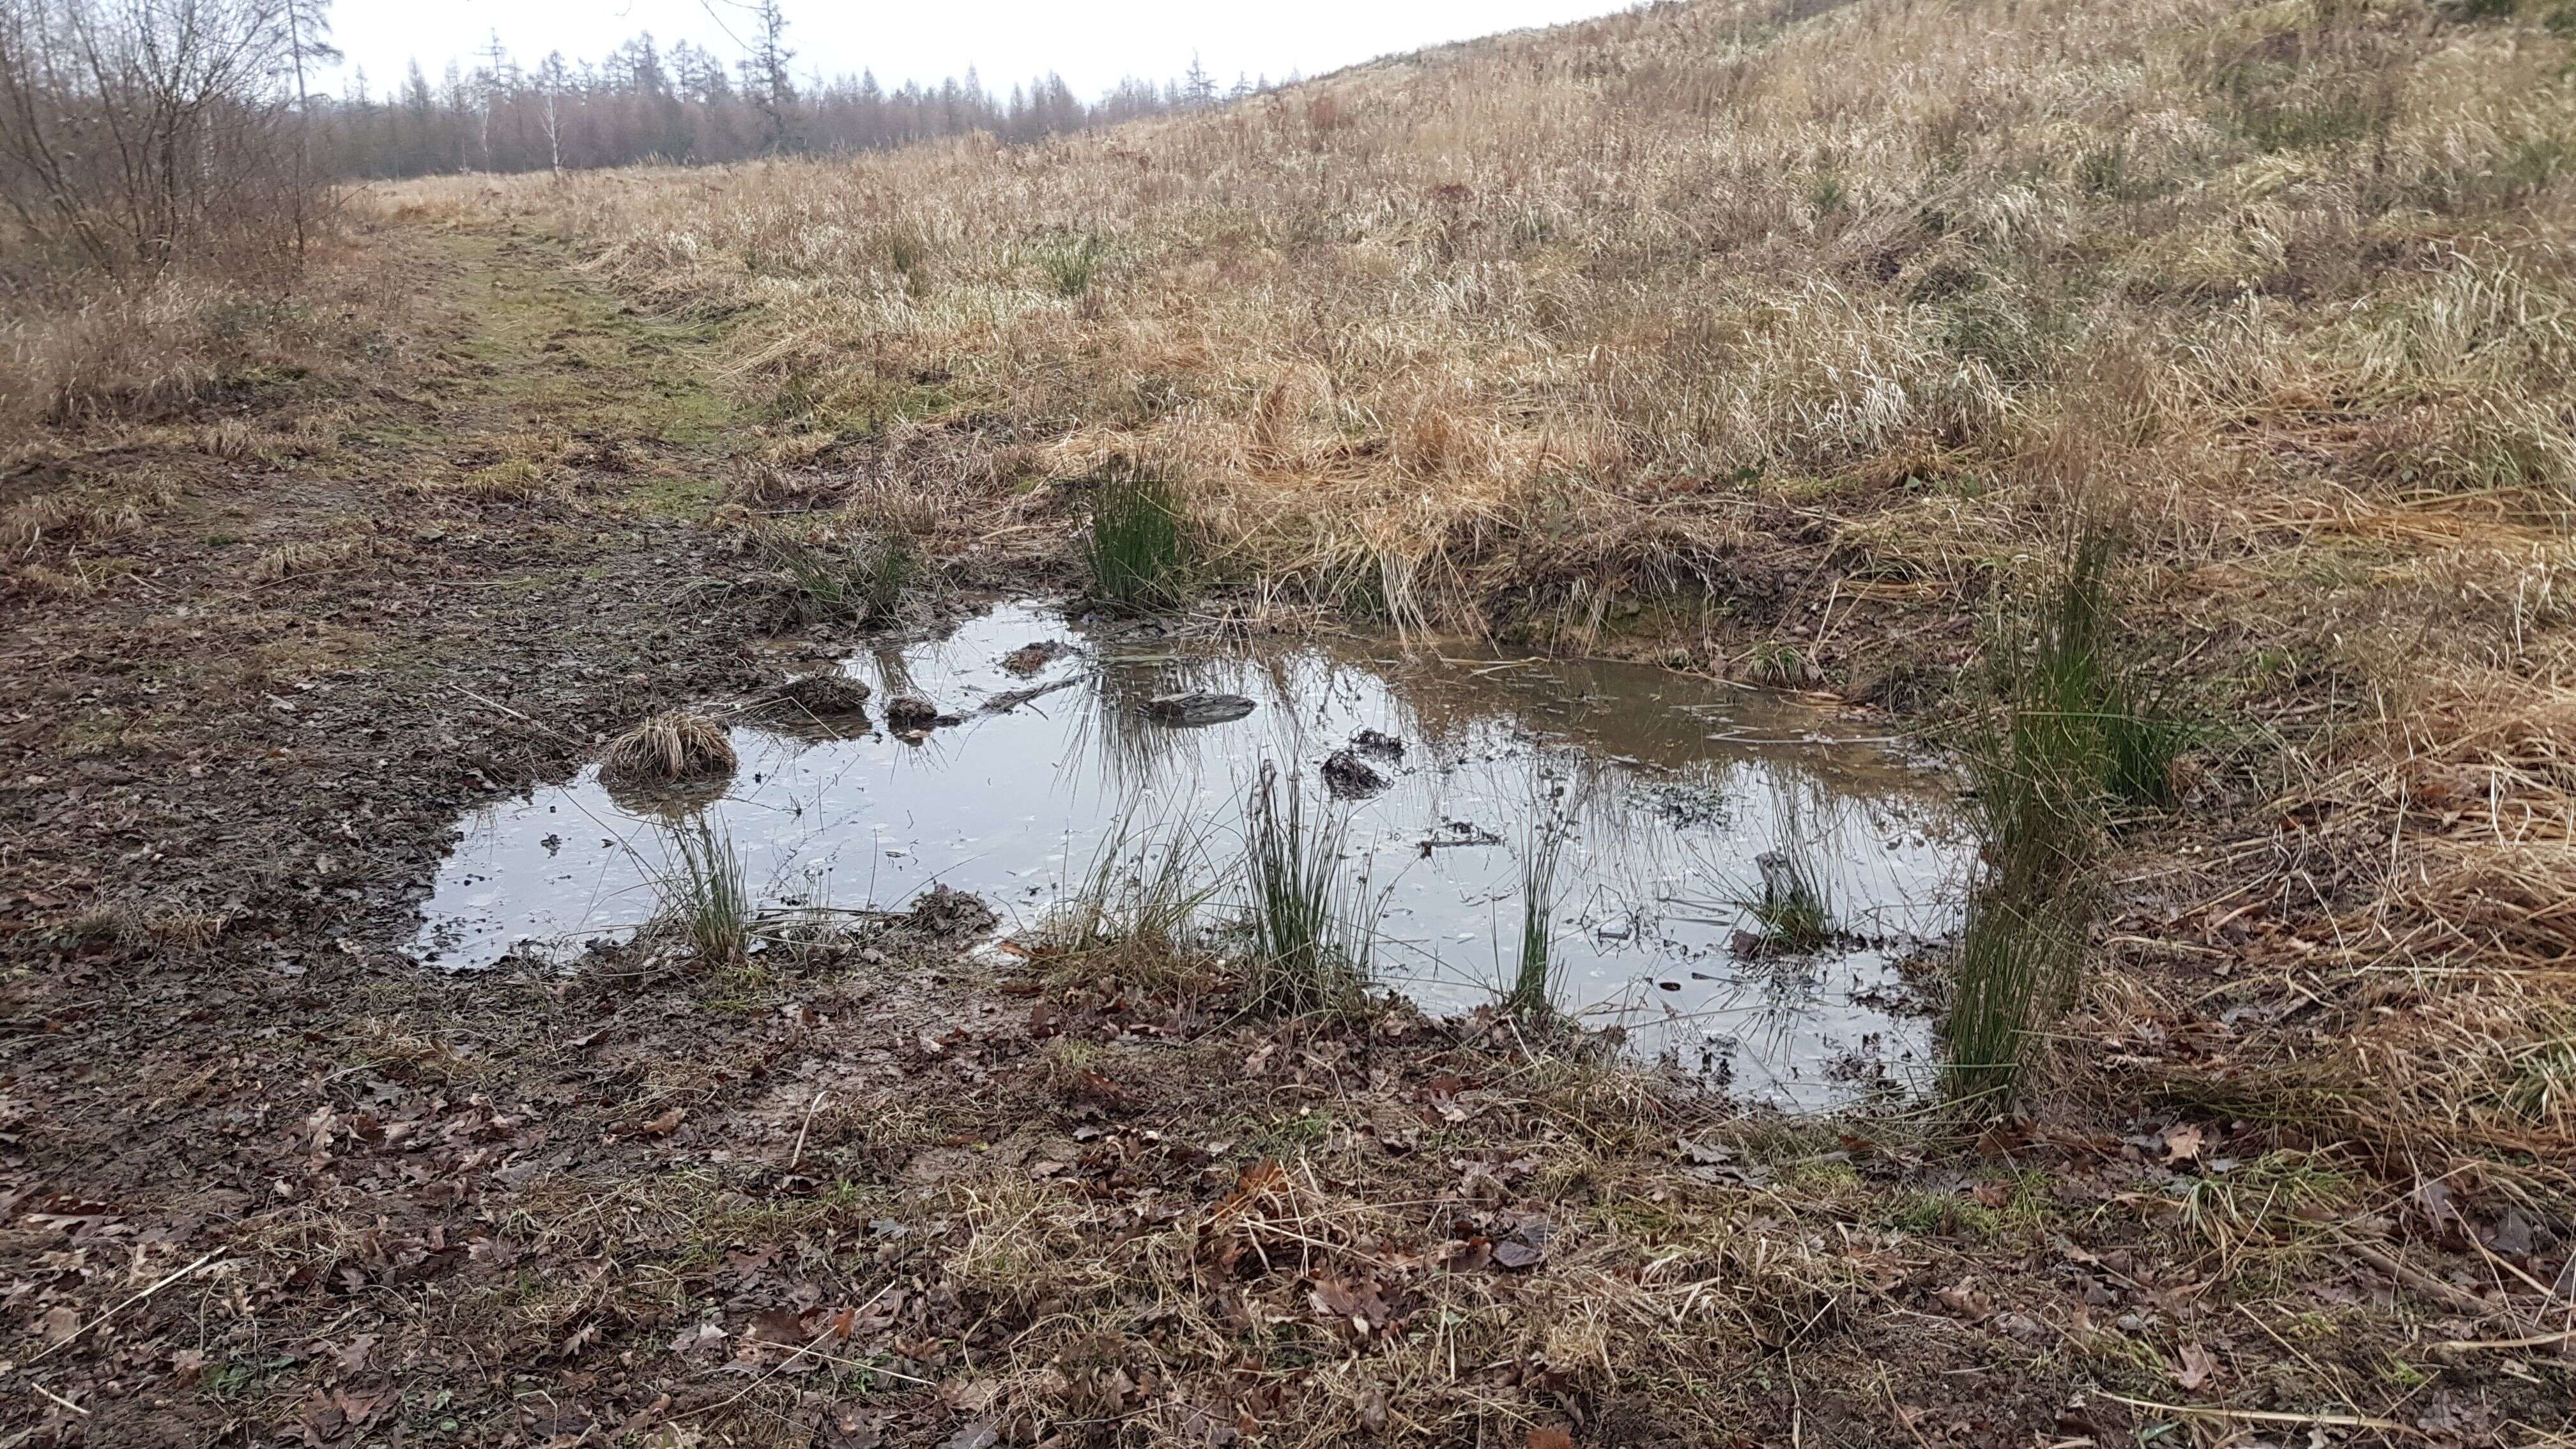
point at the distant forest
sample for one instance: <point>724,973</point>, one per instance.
<point>684,104</point>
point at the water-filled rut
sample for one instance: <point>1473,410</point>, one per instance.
<point>1671,793</point>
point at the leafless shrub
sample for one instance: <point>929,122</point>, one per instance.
<point>155,197</point>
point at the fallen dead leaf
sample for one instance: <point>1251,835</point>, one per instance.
<point>2197,1366</point>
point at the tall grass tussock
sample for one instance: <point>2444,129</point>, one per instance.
<point>1137,546</point>
<point>2072,748</point>
<point>1534,989</point>
<point>705,900</point>
<point>1312,930</point>
<point>675,745</point>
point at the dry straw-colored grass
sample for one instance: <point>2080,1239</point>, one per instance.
<point>674,745</point>
<point>1763,307</point>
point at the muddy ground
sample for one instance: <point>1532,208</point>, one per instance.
<point>263,1178</point>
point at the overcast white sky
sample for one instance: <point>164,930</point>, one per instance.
<point>1090,44</point>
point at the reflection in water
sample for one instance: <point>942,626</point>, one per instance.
<point>1668,792</point>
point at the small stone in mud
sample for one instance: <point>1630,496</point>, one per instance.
<point>824,692</point>
<point>1350,779</point>
<point>1028,659</point>
<point>1197,709</point>
<point>1378,743</point>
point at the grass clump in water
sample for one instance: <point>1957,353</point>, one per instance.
<point>1533,991</point>
<point>1792,913</point>
<point>705,899</point>
<point>1138,546</point>
<point>672,746</point>
<point>1140,911</point>
<point>1311,939</point>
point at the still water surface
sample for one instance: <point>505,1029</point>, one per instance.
<point>1668,789</point>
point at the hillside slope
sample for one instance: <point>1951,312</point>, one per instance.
<point>1791,340</point>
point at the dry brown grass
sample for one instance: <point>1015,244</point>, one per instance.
<point>673,745</point>
<point>307,557</point>
<point>1813,324</point>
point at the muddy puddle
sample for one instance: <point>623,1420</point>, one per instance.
<point>1669,793</point>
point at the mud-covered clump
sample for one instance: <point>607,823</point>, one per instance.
<point>1349,777</point>
<point>912,712</point>
<point>1028,659</point>
<point>1191,710</point>
<point>823,694</point>
<point>1378,744</point>
<point>940,911</point>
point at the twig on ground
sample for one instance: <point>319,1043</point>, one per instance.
<point>66,1339</point>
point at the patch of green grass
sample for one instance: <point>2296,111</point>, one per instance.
<point>1071,265</point>
<point>1289,1132</point>
<point>1311,946</point>
<point>1778,663</point>
<point>1946,1214</point>
<point>685,496</point>
<point>1138,546</point>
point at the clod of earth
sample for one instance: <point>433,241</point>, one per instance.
<point>1379,744</point>
<point>824,692</point>
<point>911,712</point>
<point>1349,778</point>
<point>1030,658</point>
<point>1192,710</point>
